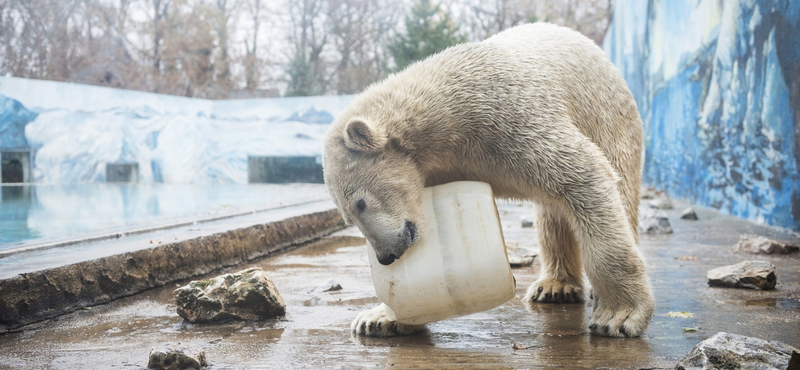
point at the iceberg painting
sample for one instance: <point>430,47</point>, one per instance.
<point>717,84</point>
<point>74,131</point>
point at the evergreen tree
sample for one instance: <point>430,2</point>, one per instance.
<point>302,80</point>
<point>429,30</point>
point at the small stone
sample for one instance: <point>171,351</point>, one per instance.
<point>328,286</point>
<point>756,244</point>
<point>245,295</point>
<point>689,214</point>
<point>520,262</point>
<point>663,202</point>
<point>747,274</point>
<point>733,351</point>
<point>653,221</point>
<point>171,357</point>
<point>526,221</point>
<point>648,193</point>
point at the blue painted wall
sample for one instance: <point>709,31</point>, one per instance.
<point>13,118</point>
<point>718,86</point>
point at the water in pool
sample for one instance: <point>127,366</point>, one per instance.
<point>33,214</point>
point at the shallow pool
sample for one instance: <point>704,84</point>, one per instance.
<point>33,214</point>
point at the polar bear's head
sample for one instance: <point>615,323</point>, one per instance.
<point>375,184</point>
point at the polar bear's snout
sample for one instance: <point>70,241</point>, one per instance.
<point>410,233</point>
<point>407,238</point>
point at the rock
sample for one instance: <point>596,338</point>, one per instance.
<point>689,214</point>
<point>747,274</point>
<point>663,202</point>
<point>520,255</point>
<point>245,295</point>
<point>756,244</point>
<point>527,221</point>
<point>653,221</point>
<point>176,358</point>
<point>733,351</point>
<point>648,193</point>
<point>519,262</point>
<point>328,286</point>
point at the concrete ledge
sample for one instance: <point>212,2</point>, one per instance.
<point>32,297</point>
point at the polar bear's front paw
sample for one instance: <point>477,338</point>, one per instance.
<point>621,321</point>
<point>374,323</point>
<point>548,290</point>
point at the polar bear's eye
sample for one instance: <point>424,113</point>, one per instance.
<point>361,205</point>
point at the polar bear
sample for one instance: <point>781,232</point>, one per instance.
<point>539,113</point>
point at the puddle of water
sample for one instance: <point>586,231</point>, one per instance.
<point>766,302</point>
<point>317,301</point>
<point>774,302</point>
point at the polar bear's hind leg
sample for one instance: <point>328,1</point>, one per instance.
<point>561,276</point>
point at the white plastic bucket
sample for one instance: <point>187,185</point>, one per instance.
<point>458,267</point>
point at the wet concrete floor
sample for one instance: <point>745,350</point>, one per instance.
<point>315,333</point>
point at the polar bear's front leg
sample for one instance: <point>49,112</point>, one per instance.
<point>623,301</point>
<point>577,180</point>
<point>374,323</point>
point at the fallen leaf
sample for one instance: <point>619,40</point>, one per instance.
<point>681,314</point>
<point>515,346</point>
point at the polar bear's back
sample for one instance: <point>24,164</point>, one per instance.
<point>595,95</point>
<point>522,82</point>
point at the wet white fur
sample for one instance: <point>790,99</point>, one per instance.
<point>538,112</point>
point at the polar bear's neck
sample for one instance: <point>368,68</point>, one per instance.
<point>421,119</point>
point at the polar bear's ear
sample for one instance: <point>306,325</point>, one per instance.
<point>359,136</point>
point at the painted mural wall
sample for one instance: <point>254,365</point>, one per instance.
<point>718,86</point>
<point>75,130</point>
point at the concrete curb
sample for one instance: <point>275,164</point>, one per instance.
<point>32,297</point>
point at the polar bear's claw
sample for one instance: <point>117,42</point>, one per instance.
<point>374,323</point>
<point>548,290</point>
<point>620,321</point>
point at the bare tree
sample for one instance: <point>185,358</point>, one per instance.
<point>307,70</point>
<point>225,8</point>
<point>160,12</point>
<point>251,64</point>
<point>359,29</point>
<point>486,18</point>
<point>209,48</point>
<point>589,17</point>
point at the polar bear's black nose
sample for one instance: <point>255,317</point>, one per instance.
<point>388,260</point>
